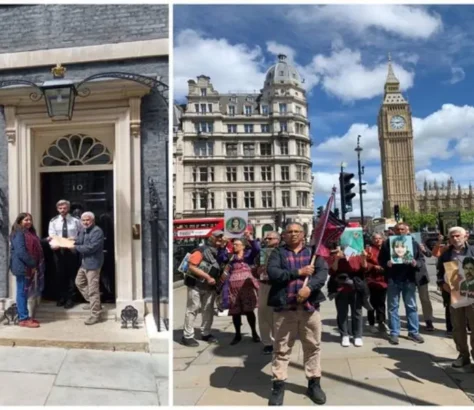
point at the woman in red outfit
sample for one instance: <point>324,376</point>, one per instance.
<point>343,271</point>
<point>377,284</point>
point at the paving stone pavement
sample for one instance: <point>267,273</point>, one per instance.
<point>52,376</point>
<point>375,374</point>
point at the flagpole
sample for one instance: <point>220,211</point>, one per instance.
<point>326,216</point>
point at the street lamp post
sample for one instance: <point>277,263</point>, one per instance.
<point>341,190</point>
<point>362,191</point>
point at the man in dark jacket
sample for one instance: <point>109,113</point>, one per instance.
<point>296,307</point>
<point>458,249</point>
<point>401,279</point>
<point>90,244</point>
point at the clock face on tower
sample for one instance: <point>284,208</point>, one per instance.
<point>397,122</point>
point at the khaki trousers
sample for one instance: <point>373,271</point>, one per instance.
<point>425,300</point>
<point>88,283</point>
<point>459,317</point>
<point>265,315</point>
<point>199,299</point>
<point>287,326</point>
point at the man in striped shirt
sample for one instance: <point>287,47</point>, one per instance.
<point>296,311</point>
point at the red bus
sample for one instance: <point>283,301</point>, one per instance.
<point>199,228</point>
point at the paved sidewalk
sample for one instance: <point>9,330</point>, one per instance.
<point>51,376</point>
<point>375,374</point>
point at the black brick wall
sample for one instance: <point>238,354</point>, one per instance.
<point>39,27</point>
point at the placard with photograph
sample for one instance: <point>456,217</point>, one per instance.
<point>60,242</point>
<point>235,223</point>
<point>401,249</point>
<point>459,275</point>
<point>352,241</point>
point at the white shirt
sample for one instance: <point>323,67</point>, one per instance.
<point>56,226</point>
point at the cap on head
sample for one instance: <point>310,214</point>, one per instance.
<point>217,234</point>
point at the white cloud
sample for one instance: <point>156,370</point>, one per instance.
<point>427,175</point>
<point>457,75</point>
<point>439,136</point>
<point>411,22</point>
<point>276,48</point>
<point>231,66</point>
<point>345,76</point>
<point>323,183</point>
<point>240,67</point>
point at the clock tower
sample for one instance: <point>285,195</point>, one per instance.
<point>396,148</point>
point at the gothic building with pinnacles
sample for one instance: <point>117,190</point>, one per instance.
<point>443,196</point>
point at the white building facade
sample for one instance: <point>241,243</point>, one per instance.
<point>246,151</point>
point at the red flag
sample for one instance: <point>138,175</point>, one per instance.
<point>328,229</point>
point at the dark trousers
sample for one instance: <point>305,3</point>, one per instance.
<point>447,312</point>
<point>343,302</point>
<point>66,263</point>
<point>378,298</point>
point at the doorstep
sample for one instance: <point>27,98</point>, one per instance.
<point>65,328</point>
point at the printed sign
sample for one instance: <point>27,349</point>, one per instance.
<point>447,220</point>
<point>60,242</point>
<point>352,241</point>
<point>235,223</point>
<point>459,275</point>
<point>401,249</point>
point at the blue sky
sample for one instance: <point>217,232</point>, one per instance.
<point>341,51</point>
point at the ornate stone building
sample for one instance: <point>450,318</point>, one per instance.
<point>396,148</point>
<point>437,197</point>
<point>246,151</point>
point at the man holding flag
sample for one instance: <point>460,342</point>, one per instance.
<point>296,277</point>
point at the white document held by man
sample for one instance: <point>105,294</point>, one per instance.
<point>59,242</point>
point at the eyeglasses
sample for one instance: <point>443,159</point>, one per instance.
<point>294,232</point>
<point>270,239</point>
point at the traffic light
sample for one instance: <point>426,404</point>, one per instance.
<point>336,213</point>
<point>347,185</point>
<point>396,212</point>
<point>320,211</point>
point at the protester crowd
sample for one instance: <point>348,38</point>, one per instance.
<point>288,287</point>
<point>77,246</point>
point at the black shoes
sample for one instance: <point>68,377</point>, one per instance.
<point>429,326</point>
<point>461,361</point>
<point>191,342</point>
<point>268,350</point>
<point>278,393</point>
<point>69,304</point>
<point>382,327</point>
<point>236,339</point>
<point>314,392</point>
<point>256,338</point>
<point>60,303</point>
<point>209,339</point>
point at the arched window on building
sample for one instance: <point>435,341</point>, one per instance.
<point>76,150</point>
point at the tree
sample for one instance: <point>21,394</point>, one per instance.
<point>417,220</point>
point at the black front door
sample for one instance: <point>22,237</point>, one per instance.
<point>86,191</point>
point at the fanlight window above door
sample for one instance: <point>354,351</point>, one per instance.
<point>76,150</point>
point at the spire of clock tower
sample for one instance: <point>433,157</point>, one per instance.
<point>392,93</point>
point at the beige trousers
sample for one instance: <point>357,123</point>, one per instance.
<point>265,315</point>
<point>459,317</point>
<point>203,300</point>
<point>88,283</point>
<point>287,326</point>
<point>425,300</point>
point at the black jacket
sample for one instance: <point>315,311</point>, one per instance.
<point>401,272</point>
<point>280,276</point>
<point>447,256</point>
